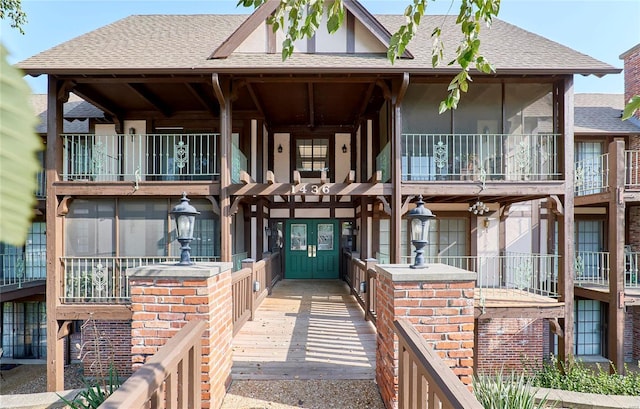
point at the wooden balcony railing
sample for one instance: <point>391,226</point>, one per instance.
<point>250,286</point>
<point>424,380</point>
<point>171,379</point>
<point>480,157</point>
<point>128,157</point>
<point>16,269</point>
<point>362,278</point>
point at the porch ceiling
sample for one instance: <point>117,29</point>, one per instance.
<point>294,102</point>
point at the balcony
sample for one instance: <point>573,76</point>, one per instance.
<point>632,173</point>
<point>480,157</point>
<point>593,268</point>
<point>592,175</point>
<point>511,274</point>
<point>164,157</point>
<point>18,269</point>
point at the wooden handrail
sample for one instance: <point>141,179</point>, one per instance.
<point>170,379</point>
<point>424,380</point>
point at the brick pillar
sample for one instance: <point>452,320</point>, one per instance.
<point>438,301</point>
<point>165,297</point>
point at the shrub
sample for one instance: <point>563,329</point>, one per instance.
<point>576,376</point>
<point>500,392</point>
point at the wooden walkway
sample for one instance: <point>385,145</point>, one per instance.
<point>307,329</point>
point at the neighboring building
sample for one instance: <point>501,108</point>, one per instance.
<point>324,151</point>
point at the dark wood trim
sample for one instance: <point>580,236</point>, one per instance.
<point>116,312</point>
<point>526,311</point>
<point>351,34</point>
<point>245,29</point>
<point>144,93</point>
<point>165,188</point>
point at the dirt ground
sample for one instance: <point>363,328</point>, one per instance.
<point>33,379</point>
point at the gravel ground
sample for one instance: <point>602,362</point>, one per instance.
<point>315,394</point>
<point>33,379</point>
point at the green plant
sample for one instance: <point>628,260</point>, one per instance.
<point>578,377</point>
<point>506,392</point>
<point>96,390</point>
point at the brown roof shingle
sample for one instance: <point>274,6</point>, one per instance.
<point>183,43</point>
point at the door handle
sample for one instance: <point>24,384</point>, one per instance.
<point>315,249</point>
<point>310,250</point>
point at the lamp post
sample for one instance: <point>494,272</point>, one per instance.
<point>185,216</point>
<point>420,218</point>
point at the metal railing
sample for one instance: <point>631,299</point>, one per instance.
<point>129,157</point>
<point>41,189</point>
<point>170,379</point>
<point>104,279</point>
<point>424,380</point>
<point>24,267</point>
<point>383,162</point>
<point>592,267</point>
<point>631,272</point>
<point>592,175</point>
<point>632,174</point>
<point>510,272</point>
<point>480,157</point>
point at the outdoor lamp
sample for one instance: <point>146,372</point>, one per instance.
<point>420,217</point>
<point>185,216</point>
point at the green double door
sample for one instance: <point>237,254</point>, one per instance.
<point>312,249</point>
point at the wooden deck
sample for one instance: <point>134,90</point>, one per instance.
<point>307,329</point>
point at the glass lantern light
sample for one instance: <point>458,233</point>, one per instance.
<point>185,217</point>
<point>420,217</point>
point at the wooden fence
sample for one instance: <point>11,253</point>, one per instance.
<point>251,284</point>
<point>424,380</point>
<point>362,279</point>
<point>171,379</point>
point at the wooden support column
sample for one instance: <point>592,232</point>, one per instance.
<point>399,88</point>
<point>616,256</point>
<point>55,345</point>
<point>363,235</point>
<point>222,90</point>
<point>566,247</point>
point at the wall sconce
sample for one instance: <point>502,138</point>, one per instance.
<point>279,148</point>
<point>344,148</point>
<point>132,131</point>
<point>486,223</point>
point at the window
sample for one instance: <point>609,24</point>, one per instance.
<point>590,263</point>
<point>588,327</point>
<point>312,155</point>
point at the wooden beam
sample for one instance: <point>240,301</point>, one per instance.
<point>386,91</point>
<point>376,177</point>
<point>351,177</point>
<point>74,312</point>
<point>235,205</point>
<point>323,177</point>
<point>335,189</point>
<point>312,114</point>
<point>255,99</point>
<point>558,208</point>
<point>385,204</point>
<point>215,207</point>
<point>64,329</point>
<point>246,178</point>
<point>167,188</point>
<point>519,312</point>
<point>147,79</point>
<point>143,92</point>
<point>102,103</point>
<point>200,97</point>
<point>405,205</point>
<point>271,177</point>
<point>297,179</point>
<point>63,206</point>
<point>555,327</point>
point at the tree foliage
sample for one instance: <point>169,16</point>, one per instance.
<point>632,106</point>
<point>13,10</point>
<point>19,143</point>
<point>300,19</point>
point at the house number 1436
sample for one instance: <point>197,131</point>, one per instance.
<point>313,189</point>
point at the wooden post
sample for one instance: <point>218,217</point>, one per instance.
<point>223,93</point>
<point>399,88</point>
<point>616,256</point>
<point>55,345</point>
<point>251,265</point>
<point>566,247</point>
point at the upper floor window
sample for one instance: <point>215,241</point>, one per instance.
<point>312,155</point>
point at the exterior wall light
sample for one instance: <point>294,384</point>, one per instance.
<point>420,218</point>
<point>185,217</point>
<point>344,148</point>
<point>279,148</point>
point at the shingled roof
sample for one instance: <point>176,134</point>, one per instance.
<point>184,44</point>
<point>76,113</point>
<point>601,114</point>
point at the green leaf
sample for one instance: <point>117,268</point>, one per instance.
<point>19,145</point>
<point>632,106</point>
<point>333,24</point>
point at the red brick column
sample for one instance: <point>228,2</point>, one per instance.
<point>438,301</point>
<point>165,297</point>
